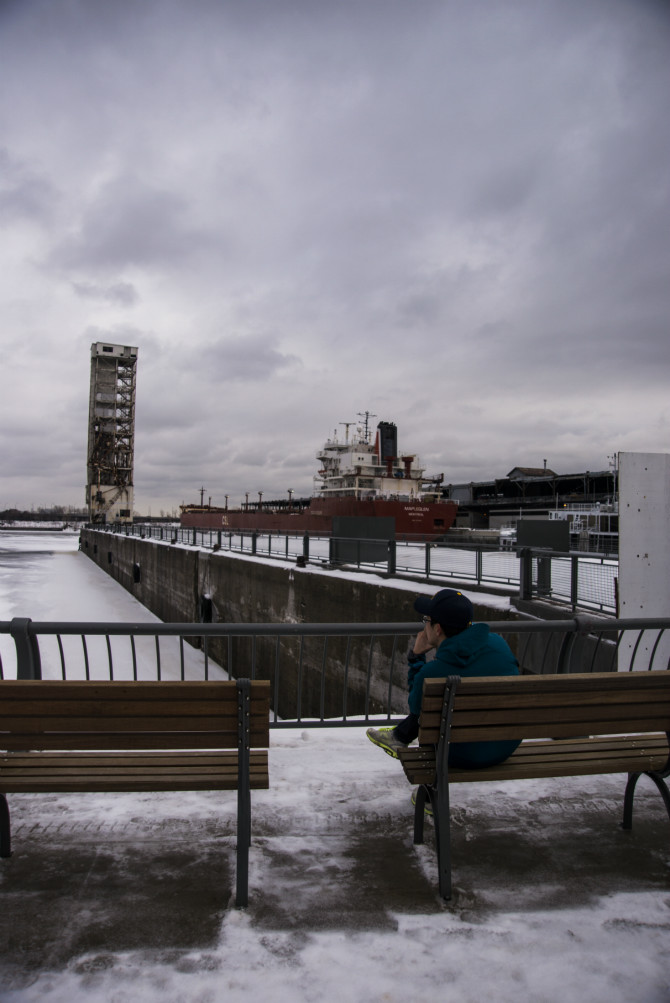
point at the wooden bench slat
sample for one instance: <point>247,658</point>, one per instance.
<point>84,759</point>
<point>593,701</point>
<point>40,774</point>
<point>141,784</point>
<point>544,729</point>
<point>23,762</point>
<point>169,723</point>
<point>11,710</point>
<point>643,744</point>
<point>101,740</point>
<point>569,712</point>
<point>68,689</point>
<point>609,691</point>
<point>574,682</point>
<point>53,779</point>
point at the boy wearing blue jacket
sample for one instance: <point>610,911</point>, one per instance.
<point>461,648</point>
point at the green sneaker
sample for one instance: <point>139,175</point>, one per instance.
<point>386,740</point>
<point>427,808</point>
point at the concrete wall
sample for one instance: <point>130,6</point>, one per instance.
<point>184,584</point>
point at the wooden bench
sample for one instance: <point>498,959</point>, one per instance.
<point>65,736</point>
<point>571,725</point>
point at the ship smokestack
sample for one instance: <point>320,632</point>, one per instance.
<point>388,440</point>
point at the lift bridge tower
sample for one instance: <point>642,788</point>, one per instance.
<point>111,433</point>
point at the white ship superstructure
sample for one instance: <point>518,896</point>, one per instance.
<point>358,468</point>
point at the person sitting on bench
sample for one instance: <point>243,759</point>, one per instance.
<point>462,648</point>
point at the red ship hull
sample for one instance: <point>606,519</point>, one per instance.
<point>412,518</point>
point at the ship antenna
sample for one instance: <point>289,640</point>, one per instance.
<point>367,415</point>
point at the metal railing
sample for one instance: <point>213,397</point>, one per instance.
<point>321,674</point>
<point>580,581</point>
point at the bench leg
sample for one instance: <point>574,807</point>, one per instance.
<point>243,844</point>
<point>442,819</point>
<point>419,813</point>
<point>440,805</point>
<point>630,794</point>
<point>243,793</point>
<point>628,800</point>
<point>5,831</point>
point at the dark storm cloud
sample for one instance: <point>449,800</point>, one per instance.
<point>249,359</point>
<point>131,222</point>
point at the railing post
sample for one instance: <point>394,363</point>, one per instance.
<point>392,557</point>
<point>28,662</point>
<point>254,541</point>
<point>478,565</point>
<point>305,547</point>
<point>427,560</point>
<point>544,576</point>
<point>525,573</point>
<point>574,581</point>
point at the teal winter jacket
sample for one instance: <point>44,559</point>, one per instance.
<point>473,652</point>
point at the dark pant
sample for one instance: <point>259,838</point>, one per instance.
<point>408,729</point>
<point>465,755</point>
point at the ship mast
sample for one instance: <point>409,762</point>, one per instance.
<point>367,415</point>
<point>347,426</point>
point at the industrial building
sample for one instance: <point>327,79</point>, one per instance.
<point>587,501</point>
<point>111,433</point>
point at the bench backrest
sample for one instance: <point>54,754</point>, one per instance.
<point>63,714</point>
<point>495,708</point>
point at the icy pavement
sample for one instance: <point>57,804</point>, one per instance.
<point>129,897</point>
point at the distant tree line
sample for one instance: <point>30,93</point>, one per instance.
<point>56,513</point>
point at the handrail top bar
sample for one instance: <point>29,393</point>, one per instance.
<point>209,629</point>
<point>577,624</point>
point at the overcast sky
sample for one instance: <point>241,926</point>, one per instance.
<point>450,213</point>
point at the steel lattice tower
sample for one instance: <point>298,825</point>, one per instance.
<point>111,433</point>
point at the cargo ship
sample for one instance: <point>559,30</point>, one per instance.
<point>358,477</point>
